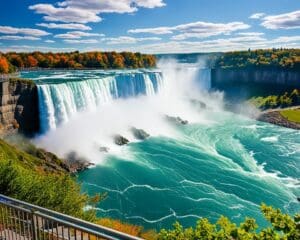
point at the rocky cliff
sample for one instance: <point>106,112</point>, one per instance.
<point>18,107</point>
<point>254,81</point>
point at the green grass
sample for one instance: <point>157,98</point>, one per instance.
<point>292,115</point>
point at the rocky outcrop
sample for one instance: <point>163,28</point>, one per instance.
<point>139,134</point>
<point>18,107</point>
<point>276,118</point>
<point>176,120</point>
<point>246,82</point>
<point>76,163</point>
<point>120,140</point>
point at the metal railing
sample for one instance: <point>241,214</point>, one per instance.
<point>6,77</point>
<point>23,221</point>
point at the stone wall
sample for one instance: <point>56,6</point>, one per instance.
<point>18,107</point>
<point>261,81</point>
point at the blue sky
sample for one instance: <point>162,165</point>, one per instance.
<point>150,26</point>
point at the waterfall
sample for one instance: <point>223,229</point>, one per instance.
<point>58,102</point>
<point>204,78</point>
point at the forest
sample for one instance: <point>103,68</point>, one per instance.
<point>12,61</point>
<point>270,58</point>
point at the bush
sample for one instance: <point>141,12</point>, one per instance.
<point>282,226</point>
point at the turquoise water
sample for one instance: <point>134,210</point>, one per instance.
<point>219,164</point>
<point>228,168</point>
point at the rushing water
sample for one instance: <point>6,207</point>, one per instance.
<point>219,164</point>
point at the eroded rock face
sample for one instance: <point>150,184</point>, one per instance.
<point>76,163</point>
<point>177,120</point>
<point>120,140</point>
<point>139,134</point>
<point>18,108</point>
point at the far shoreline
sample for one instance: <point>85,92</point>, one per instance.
<point>275,117</point>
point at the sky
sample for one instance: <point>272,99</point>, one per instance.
<point>149,26</point>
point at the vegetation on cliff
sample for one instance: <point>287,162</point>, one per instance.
<point>12,61</point>
<point>282,227</point>
<point>288,99</point>
<point>270,58</point>
<point>29,178</point>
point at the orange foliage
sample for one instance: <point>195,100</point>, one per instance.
<point>119,226</point>
<point>32,62</point>
<point>4,65</point>
<point>130,229</point>
<point>98,60</point>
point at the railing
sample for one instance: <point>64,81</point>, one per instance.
<point>6,77</point>
<point>24,221</point>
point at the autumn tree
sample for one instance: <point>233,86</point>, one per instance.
<point>31,61</point>
<point>4,65</point>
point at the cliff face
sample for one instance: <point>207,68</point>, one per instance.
<point>248,82</point>
<point>18,107</point>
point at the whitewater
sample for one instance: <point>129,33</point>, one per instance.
<point>220,163</point>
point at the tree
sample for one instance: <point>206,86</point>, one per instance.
<point>4,65</point>
<point>31,61</point>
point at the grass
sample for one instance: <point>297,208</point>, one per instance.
<point>292,115</point>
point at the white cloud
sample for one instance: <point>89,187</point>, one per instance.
<point>289,20</point>
<point>195,29</point>
<point>77,35</point>
<point>86,41</point>
<point>250,34</point>
<point>286,39</point>
<point>216,45</point>
<point>257,15</point>
<point>76,26</point>
<point>24,31</point>
<point>128,40</point>
<point>158,30</point>
<point>77,11</point>
<point>66,14</point>
<point>49,41</point>
<point>28,48</point>
<point>15,38</point>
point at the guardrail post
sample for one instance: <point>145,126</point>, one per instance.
<point>33,226</point>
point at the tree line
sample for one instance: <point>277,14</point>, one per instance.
<point>12,61</point>
<point>273,58</point>
<point>287,99</point>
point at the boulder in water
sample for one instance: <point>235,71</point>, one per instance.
<point>139,134</point>
<point>177,120</point>
<point>120,140</point>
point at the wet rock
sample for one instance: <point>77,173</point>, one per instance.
<point>120,140</point>
<point>139,134</point>
<point>177,120</point>
<point>77,163</point>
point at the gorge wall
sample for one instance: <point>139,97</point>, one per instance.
<point>18,107</point>
<point>245,83</point>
